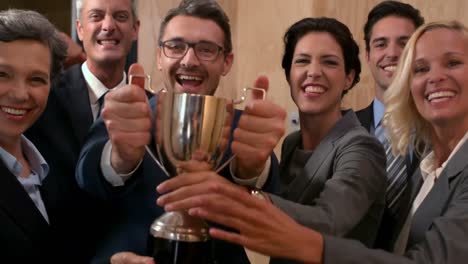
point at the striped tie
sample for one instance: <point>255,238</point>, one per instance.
<point>396,173</point>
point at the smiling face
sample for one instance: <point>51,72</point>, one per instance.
<point>387,41</point>
<point>439,84</point>
<point>317,76</point>
<point>189,74</point>
<point>24,86</point>
<point>107,30</point>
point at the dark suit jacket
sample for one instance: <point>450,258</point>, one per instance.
<point>340,191</point>
<point>25,234</point>
<point>439,230</point>
<point>387,229</point>
<point>59,135</point>
<point>136,201</point>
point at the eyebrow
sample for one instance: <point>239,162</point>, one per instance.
<point>323,56</point>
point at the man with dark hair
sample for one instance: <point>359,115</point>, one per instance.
<point>388,28</point>
<point>194,52</point>
<point>107,29</point>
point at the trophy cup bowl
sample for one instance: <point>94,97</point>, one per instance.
<point>191,131</point>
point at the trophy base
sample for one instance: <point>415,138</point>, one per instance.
<point>178,238</point>
<point>166,251</point>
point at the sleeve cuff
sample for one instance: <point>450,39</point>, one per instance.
<point>255,182</point>
<point>111,176</point>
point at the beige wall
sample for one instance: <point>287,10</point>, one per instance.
<point>258,27</point>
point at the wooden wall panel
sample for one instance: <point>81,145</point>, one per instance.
<point>258,27</point>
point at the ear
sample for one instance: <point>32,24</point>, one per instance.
<point>228,60</point>
<point>158,57</point>
<point>79,29</point>
<point>349,80</point>
<point>136,28</point>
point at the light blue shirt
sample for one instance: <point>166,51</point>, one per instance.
<point>379,110</point>
<point>39,170</point>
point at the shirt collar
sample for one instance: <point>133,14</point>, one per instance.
<point>36,161</point>
<point>428,163</point>
<point>379,110</point>
<point>96,87</point>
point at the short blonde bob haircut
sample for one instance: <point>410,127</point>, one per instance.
<point>403,123</point>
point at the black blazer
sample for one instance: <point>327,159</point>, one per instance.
<point>25,234</point>
<point>59,135</point>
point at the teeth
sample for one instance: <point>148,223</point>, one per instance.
<point>441,94</point>
<point>314,89</point>
<point>189,78</point>
<point>13,111</point>
<point>108,42</point>
<point>390,68</point>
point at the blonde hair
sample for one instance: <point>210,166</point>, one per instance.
<point>403,123</point>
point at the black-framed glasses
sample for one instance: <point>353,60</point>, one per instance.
<point>204,50</point>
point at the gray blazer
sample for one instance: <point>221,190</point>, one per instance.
<point>439,231</point>
<point>342,186</point>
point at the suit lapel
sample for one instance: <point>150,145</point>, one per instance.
<point>437,199</point>
<point>366,116</point>
<point>74,97</point>
<point>312,176</point>
<point>16,202</point>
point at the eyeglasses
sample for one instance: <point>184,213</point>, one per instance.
<point>204,50</point>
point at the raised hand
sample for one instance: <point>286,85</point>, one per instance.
<point>260,128</point>
<point>127,116</point>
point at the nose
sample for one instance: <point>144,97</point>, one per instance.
<point>394,51</point>
<point>314,70</point>
<point>190,59</point>
<point>437,75</point>
<point>21,91</point>
<point>108,24</point>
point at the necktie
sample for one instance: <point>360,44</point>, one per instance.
<point>396,173</point>
<point>100,104</point>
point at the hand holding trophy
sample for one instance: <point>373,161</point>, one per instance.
<point>192,133</point>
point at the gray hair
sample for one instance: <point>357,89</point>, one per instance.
<point>16,24</point>
<point>79,8</point>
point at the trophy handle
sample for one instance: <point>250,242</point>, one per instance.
<point>244,94</point>
<point>241,100</point>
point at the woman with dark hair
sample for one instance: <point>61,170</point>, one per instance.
<point>332,171</point>
<point>31,57</point>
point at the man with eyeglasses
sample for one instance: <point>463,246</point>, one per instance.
<point>195,51</point>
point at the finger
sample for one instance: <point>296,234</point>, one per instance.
<point>185,179</point>
<point>228,236</point>
<point>264,108</point>
<point>126,110</point>
<point>137,69</point>
<point>172,200</point>
<point>260,82</point>
<point>127,93</point>
<point>130,258</point>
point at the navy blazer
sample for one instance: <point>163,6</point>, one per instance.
<point>136,201</point>
<point>59,135</point>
